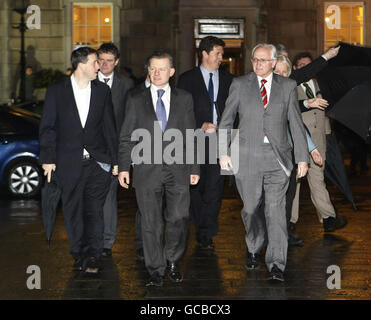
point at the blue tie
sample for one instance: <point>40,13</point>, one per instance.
<point>211,95</point>
<point>160,110</point>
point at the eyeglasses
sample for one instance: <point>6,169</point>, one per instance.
<point>263,61</point>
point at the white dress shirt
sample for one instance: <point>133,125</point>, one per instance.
<point>165,98</point>
<point>101,77</point>
<point>215,79</point>
<point>268,86</point>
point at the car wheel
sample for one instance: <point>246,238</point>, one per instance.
<point>24,178</point>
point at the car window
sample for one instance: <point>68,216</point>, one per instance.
<point>6,127</point>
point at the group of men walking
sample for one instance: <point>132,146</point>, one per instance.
<point>93,125</point>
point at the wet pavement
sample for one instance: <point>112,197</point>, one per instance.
<point>217,275</point>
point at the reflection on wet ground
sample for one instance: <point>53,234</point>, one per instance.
<point>217,275</point>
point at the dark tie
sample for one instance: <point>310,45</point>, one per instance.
<point>308,91</point>
<point>211,95</point>
<point>160,109</point>
<point>106,80</point>
<point>263,93</point>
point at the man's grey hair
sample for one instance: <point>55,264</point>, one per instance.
<point>269,46</point>
<point>281,48</point>
<point>283,59</point>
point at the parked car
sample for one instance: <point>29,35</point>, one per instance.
<point>19,150</point>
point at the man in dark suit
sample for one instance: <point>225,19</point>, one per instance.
<point>78,140</point>
<point>156,174</point>
<point>209,87</point>
<point>267,105</point>
<point>108,56</point>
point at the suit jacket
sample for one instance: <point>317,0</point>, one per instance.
<point>62,137</point>
<point>120,87</point>
<point>316,121</point>
<point>140,114</point>
<point>193,82</point>
<point>281,113</point>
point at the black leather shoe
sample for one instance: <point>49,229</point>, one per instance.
<point>78,265</point>
<point>156,280</point>
<point>107,252</point>
<point>91,265</point>
<point>331,224</point>
<point>252,261</point>
<point>140,254</point>
<point>276,274</point>
<point>293,239</point>
<point>173,273</point>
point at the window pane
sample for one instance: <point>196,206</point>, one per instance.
<point>78,15</point>
<point>357,15</point>
<point>357,35</point>
<point>106,34</point>
<point>344,14</point>
<point>92,15</point>
<point>344,34</point>
<point>92,35</point>
<point>79,35</point>
<point>105,16</point>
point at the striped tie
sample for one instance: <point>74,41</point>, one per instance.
<point>263,93</point>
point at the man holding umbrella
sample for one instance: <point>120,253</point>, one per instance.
<point>318,125</point>
<point>78,140</point>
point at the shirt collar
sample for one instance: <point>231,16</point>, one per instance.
<point>74,83</point>
<point>101,76</point>
<point>207,72</point>
<point>154,88</point>
<point>269,78</point>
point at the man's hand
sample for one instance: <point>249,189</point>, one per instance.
<point>332,52</point>
<point>225,163</point>
<point>194,179</point>
<point>124,179</point>
<point>48,168</point>
<point>317,158</point>
<point>318,103</point>
<point>115,170</point>
<point>209,127</point>
<point>302,169</point>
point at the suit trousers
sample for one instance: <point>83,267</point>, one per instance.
<point>110,215</point>
<point>318,193</point>
<point>176,215</point>
<point>268,184</point>
<point>138,231</point>
<point>83,211</point>
<point>206,200</point>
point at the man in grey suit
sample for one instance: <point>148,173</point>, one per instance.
<point>152,116</point>
<point>267,106</point>
<point>108,59</point>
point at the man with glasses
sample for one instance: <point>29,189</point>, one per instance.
<point>109,57</point>
<point>267,105</point>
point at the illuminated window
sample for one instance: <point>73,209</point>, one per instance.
<point>92,24</point>
<point>344,22</point>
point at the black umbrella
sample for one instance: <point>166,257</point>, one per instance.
<point>50,196</point>
<point>335,169</point>
<point>351,67</point>
<point>354,110</point>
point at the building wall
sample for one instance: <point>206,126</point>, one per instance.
<point>190,9</point>
<point>44,47</point>
<point>147,25</point>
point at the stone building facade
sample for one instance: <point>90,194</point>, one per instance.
<point>140,26</point>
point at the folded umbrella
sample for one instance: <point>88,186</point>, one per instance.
<point>50,196</point>
<point>335,169</point>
